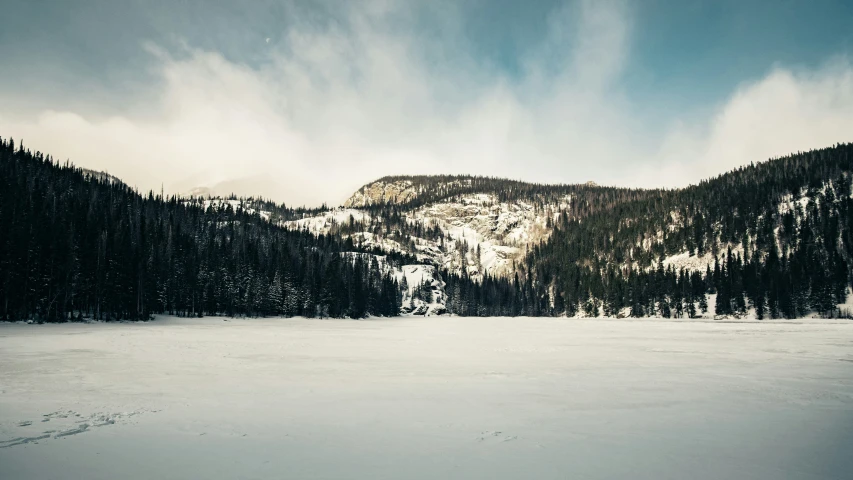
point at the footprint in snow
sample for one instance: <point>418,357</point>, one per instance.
<point>84,424</point>
<point>493,436</point>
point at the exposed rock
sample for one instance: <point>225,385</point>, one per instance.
<point>381,192</point>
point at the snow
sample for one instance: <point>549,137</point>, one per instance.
<point>371,240</point>
<point>426,398</point>
<point>789,204</point>
<point>690,263</point>
<point>698,263</point>
<point>399,191</point>
<point>416,275</point>
<point>501,230</point>
<point>323,223</point>
<point>846,308</point>
<point>797,205</point>
<point>216,203</point>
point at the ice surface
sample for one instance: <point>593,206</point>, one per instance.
<point>427,398</point>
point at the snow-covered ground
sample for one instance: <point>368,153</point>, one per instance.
<point>427,398</point>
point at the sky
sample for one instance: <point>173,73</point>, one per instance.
<point>303,102</point>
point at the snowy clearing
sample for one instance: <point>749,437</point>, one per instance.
<point>427,398</point>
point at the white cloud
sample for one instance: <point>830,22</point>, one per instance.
<point>782,113</point>
<point>339,105</point>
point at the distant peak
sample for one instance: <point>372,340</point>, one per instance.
<point>381,192</point>
<point>198,192</point>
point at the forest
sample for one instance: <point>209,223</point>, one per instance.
<point>77,245</point>
<point>777,237</point>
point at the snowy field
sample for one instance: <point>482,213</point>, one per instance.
<point>427,398</point>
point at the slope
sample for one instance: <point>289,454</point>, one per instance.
<point>75,245</point>
<point>773,238</point>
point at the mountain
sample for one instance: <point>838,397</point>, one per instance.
<point>383,192</point>
<point>479,225</point>
<point>769,239</point>
<point>75,245</point>
<point>772,239</point>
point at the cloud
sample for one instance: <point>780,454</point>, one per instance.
<point>785,112</point>
<point>340,103</point>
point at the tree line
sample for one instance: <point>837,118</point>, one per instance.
<point>75,245</point>
<point>779,235</point>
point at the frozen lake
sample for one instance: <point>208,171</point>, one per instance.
<point>427,398</point>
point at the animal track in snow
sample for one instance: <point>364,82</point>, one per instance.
<point>22,440</point>
<point>71,423</point>
<point>490,436</point>
<point>59,414</point>
<point>72,431</point>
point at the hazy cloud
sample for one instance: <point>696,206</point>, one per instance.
<point>338,104</point>
<point>782,113</point>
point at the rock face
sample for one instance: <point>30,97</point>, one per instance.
<point>484,235</point>
<point>480,233</point>
<point>424,290</point>
<point>421,286</point>
<point>383,192</point>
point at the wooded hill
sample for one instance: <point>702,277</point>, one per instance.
<point>779,233</point>
<point>74,244</point>
<point>776,238</point>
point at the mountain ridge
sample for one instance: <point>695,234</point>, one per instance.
<point>773,239</point>
<point>460,223</point>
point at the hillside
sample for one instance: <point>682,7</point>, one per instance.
<point>772,239</point>
<point>464,224</point>
<point>75,245</point>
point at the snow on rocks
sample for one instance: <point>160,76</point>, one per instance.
<point>422,287</point>
<point>382,192</point>
<point>697,263</point>
<point>329,220</point>
<point>482,234</point>
<point>492,234</point>
<point>423,293</point>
